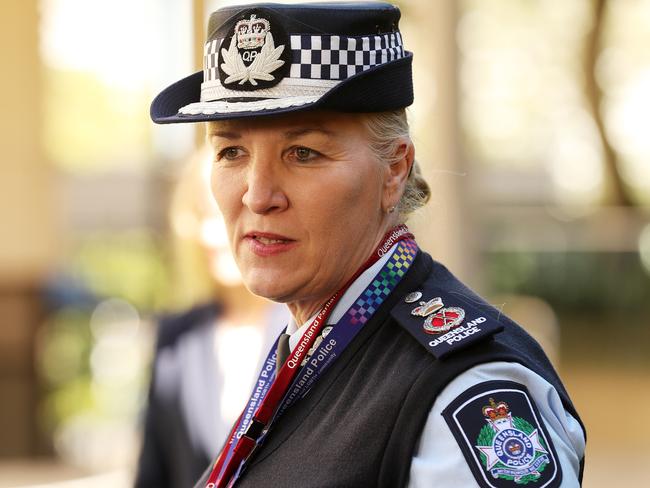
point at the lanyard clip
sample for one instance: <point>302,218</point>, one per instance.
<point>255,429</point>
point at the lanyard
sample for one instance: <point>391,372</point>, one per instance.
<point>337,339</point>
<point>267,397</point>
<point>334,339</point>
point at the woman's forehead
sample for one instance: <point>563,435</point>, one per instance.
<point>293,124</point>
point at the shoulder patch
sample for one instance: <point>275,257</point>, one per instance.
<point>502,436</point>
<point>445,322</point>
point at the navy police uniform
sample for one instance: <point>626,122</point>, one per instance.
<point>486,410</point>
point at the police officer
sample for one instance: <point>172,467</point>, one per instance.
<point>391,371</point>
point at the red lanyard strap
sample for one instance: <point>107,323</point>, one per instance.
<point>231,456</point>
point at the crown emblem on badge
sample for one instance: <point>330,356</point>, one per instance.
<point>427,308</point>
<point>496,411</point>
<point>251,56</point>
<point>251,32</point>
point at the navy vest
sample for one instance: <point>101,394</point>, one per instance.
<point>360,424</point>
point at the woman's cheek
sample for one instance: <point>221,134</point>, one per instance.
<point>224,188</point>
<point>358,194</point>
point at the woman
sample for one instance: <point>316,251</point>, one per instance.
<point>391,371</point>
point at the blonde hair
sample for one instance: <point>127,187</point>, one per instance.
<point>386,130</point>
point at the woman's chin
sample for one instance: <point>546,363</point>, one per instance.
<point>269,286</point>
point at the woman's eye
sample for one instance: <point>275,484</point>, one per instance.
<point>304,154</point>
<point>229,153</point>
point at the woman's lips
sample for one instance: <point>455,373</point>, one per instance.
<point>267,244</point>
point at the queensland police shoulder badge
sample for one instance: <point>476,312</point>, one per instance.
<point>501,434</point>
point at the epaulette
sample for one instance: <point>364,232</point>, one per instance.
<point>445,317</point>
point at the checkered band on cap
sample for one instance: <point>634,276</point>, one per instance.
<point>325,57</point>
<point>318,63</point>
<point>337,57</point>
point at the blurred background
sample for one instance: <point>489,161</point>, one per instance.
<point>531,121</point>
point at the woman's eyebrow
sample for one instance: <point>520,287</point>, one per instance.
<point>292,134</point>
<point>225,134</point>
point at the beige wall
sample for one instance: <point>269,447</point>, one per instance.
<point>28,244</point>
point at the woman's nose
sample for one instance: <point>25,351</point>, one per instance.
<point>264,192</point>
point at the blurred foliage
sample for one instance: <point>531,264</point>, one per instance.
<point>578,282</point>
<point>93,365</point>
<point>93,358</point>
<point>602,300</point>
<point>131,265</point>
<point>65,346</point>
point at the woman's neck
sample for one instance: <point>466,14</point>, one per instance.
<point>303,310</point>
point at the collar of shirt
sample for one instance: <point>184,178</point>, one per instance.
<point>345,302</point>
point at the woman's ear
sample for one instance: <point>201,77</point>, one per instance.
<point>397,173</point>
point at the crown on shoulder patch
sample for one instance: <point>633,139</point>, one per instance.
<point>496,411</point>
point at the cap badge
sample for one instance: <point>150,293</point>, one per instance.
<point>252,55</point>
<point>427,308</point>
<point>252,32</point>
<point>413,297</point>
<point>443,320</point>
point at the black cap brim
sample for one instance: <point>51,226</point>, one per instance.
<point>379,89</point>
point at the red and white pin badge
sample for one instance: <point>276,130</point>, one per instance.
<point>443,320</point>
